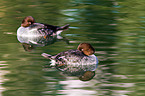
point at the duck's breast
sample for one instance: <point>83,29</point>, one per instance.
<point>89,63</point>
<point>28,34</point>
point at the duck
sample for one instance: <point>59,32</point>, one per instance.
<point>29,28</point>
<point>80,62</point>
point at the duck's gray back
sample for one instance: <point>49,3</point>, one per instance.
<point>76,61</point>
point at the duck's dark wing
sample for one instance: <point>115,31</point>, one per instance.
<point>51,27</point>
<point>56,28</point>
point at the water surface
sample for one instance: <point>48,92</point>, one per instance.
<point>114,28</point>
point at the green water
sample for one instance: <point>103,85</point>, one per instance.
<point>114,28</point>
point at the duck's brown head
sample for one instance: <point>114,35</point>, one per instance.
<point>27,21</point>
<point>86,48</point>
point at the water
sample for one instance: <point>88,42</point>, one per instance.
<point>114,28</point>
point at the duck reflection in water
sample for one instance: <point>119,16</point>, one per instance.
<point>80,62</point>
<point>32,34</point>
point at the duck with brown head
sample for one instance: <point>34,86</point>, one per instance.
<point>30,28</point>
<point>39,34</point>
<point>76,62</point>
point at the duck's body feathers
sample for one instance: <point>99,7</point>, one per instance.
<point>38,29</point>
<point>73,60</point>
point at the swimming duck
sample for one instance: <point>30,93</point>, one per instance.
<point>30,28</point>
<point>79,62</point>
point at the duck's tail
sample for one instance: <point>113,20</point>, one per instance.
<point>65,27</point>
<point>47,56</point>
<point>62,28</point>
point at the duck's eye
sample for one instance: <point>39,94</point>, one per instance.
<point>82,49</point>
